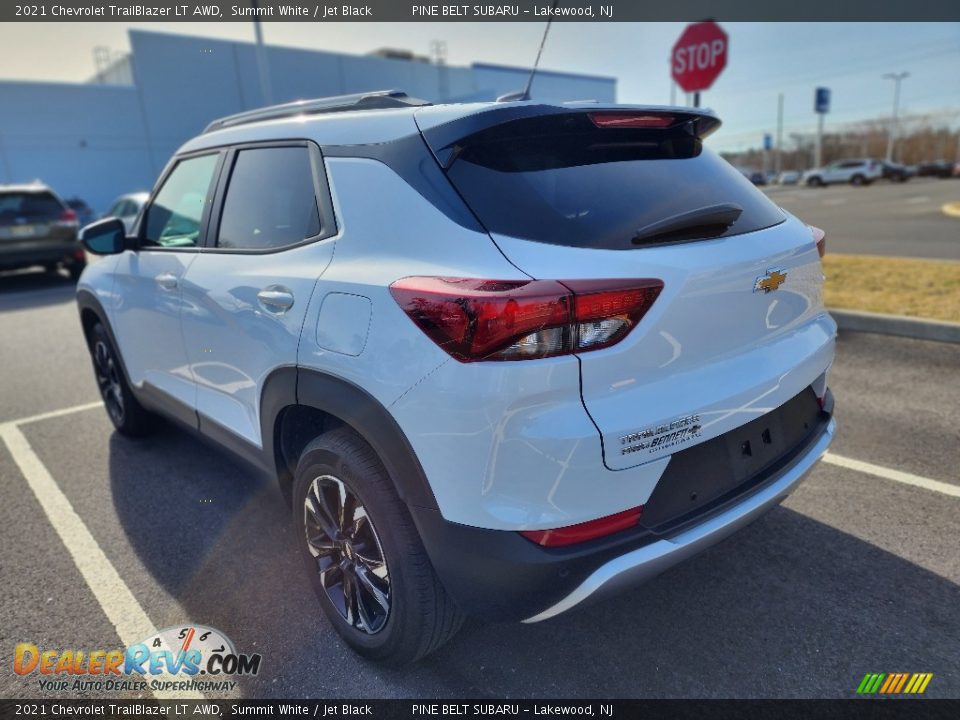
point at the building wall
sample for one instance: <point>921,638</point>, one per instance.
<point>84,140</point>
<point>98,141</point>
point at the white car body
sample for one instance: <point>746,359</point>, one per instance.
<point>506,446</point>
<point>854,172</point>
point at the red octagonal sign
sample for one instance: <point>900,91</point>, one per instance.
<point>699,56</point>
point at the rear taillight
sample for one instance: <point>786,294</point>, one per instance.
<point>67,217</point>
<point>820,238</point>
<point>583,532</point>
<point>475,319</point>
<point>631,119</point>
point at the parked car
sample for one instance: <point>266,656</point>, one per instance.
<point>937,168</point>
<point>127,208</point>
<point>788,177</point>
<point>896,172</point>
<point>855,172</point>
<point>37,228</point>
<point>758,177</point>
<point>454,436</point>
<point>85,214</point>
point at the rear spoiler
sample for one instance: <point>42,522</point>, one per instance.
<point>444,137</point>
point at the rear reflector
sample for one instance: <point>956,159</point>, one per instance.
<point>820,238</point>
<point>629,119</point>
<point>583,532</point>
<point>474,319</point>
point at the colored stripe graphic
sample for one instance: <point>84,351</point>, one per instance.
<point>900,684</point>
<point>894,683</point>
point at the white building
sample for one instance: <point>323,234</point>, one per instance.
<point>114,134</point>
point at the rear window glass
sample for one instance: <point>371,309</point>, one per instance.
<point>561,180</point>
<point>33,205</point>
<point>271,201</point>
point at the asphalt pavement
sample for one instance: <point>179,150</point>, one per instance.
<point>884,218</point>
<point>855,573</point>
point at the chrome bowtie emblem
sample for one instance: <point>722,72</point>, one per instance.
<point>774,278</point>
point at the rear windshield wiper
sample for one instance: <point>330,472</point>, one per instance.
<point>705,222</point>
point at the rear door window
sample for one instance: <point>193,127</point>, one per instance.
<point>271,200</point>
<point>562,180</point>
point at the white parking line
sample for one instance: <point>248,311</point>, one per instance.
<point>891,474</point>
<point>55,413</point>
<point>114,596</point>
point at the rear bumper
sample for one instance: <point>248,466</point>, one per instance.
<point>25,254</point>
<point>646,562</point>
<point>500,575</point>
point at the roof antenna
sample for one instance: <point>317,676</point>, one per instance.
<point>525,93</point>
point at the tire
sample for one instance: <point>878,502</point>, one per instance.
<point>815,182</point>
<point>127,415</point>
<point>372,552</point>
<point>75,268</point>
<point>858,181</point>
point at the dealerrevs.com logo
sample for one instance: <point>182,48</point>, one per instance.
<point>191,658</point>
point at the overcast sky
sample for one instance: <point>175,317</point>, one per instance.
<point>764,59</point>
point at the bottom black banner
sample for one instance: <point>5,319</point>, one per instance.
<point>887,709</point>
<point>892,709</point>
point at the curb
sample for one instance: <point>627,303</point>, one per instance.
<point>909,327</point>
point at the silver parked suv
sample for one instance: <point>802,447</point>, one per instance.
<point>854,172</point>
<point>502,357</point>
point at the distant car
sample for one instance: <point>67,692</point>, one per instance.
<point>37,228</point>
<point>855,172</point>
<point>788,177</point>
<point>896,172</point>
<point>758,177</point>
<point>936,168</point>
<point>127,208</point>
<point>85,213</point>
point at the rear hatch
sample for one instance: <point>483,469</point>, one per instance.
<point>586,193</point>
<point>34,218</point>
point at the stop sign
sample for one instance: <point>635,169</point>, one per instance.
<point>699,56</point>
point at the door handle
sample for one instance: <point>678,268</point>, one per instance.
<point>168,281</point>
<point>275,299</point>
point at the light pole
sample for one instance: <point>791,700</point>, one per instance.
<point>896,77</point>
<point>262,68</point>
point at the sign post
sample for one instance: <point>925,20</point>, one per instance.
<point>821,106</point>
<point>698,57</point>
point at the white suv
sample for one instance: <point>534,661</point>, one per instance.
<point>855,172</point>
<point>502,357</point>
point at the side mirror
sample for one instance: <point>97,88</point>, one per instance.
<point>104,237</point>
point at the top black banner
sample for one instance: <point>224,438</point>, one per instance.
<point>403,11</point>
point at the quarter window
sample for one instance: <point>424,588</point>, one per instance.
<point>271,201</point>
<point>175,216</point>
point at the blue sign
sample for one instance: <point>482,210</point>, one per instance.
<point>821,102</point>
<point>767,141</point>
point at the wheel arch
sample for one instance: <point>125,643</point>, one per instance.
<point>299,404</point>
<point>92,312</point>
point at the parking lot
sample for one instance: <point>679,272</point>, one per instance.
<point>105,539</point>
<point>884,218</point>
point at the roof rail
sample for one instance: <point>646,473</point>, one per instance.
<point>379,100</point>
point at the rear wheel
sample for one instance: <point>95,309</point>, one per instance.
<point>858,180</point>
<point>815,182</point>
<point>75,268</point>
<point>126,414</point>
<point>365,559</point>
